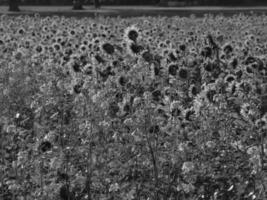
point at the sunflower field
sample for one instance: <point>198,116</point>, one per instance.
<point>145,108</point>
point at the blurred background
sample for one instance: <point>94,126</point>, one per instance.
<point>146,2</point>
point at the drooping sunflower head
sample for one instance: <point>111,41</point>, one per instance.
<point>134,49</point>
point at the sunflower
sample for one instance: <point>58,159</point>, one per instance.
<point>99,59</point>
<point>154,129</point>
<point>147,56</point>
<point>88,69</point>
<point>108,48</point>
<point>156,95</point>
<point>176,109</point>
<point>249,70</point>
<point>227,49</point>
<point>45,146</point>
<point>192,91</point>
<point>122,80</point>
<point>244,87</point>
<point>260,123</point>
<point>250,60</point>
<point>210,93</point>
<point>134,49</point>
<point>83,48</point>
<point>229,78</point>
<point>206,52</point>
<point>189,114</point>
<point>72,32</point>
<point>76,66</point>
<point>78,88</point>
<point>239,74</point>
<point>182,47</point>
<point>57,46</point>
<point>172,57</point>
<point>208,66</point>
<point>39,48</point>
<point>18,54</point>
<point>245,110</point>
<point>21,31</point>
<point>131,34</point>
<point>113,109</point>
<point>234,63</point>
<point>183,73</point>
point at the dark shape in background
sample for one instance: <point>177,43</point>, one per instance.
<point>13,5</point>
<point>77,4</point>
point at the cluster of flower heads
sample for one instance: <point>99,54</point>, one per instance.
<point>177,70</point>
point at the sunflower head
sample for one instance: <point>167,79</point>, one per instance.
<point>57,46</point>
<point>172,69</point>
<point>39,49</point>
<point>209,67</point>
<point>210,95</point>
<point>156,95</point>
<point>108,48</point>
<point>193,91</point>
<point>175,109</point>
<point>147,56</point>
<point>154,129</point>
<point>189,114</point>
<point>260,123</point>
<point>131,34</point>
<point>234,63</point>
<point>45,146</point>
<point>183,73</point>
<point>76,67</point>
<point>134,49</point>
<point>122,80</point>
<point>182,47</point>
<point>206,52</point>
<point>21,31</point>
<point>229,78</point>
<point>227,49</point>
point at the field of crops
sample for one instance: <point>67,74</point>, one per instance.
<point>147,108</point>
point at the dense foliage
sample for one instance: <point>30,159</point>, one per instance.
<point>138,108</point>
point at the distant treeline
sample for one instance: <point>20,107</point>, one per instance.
<point>144,2</point>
